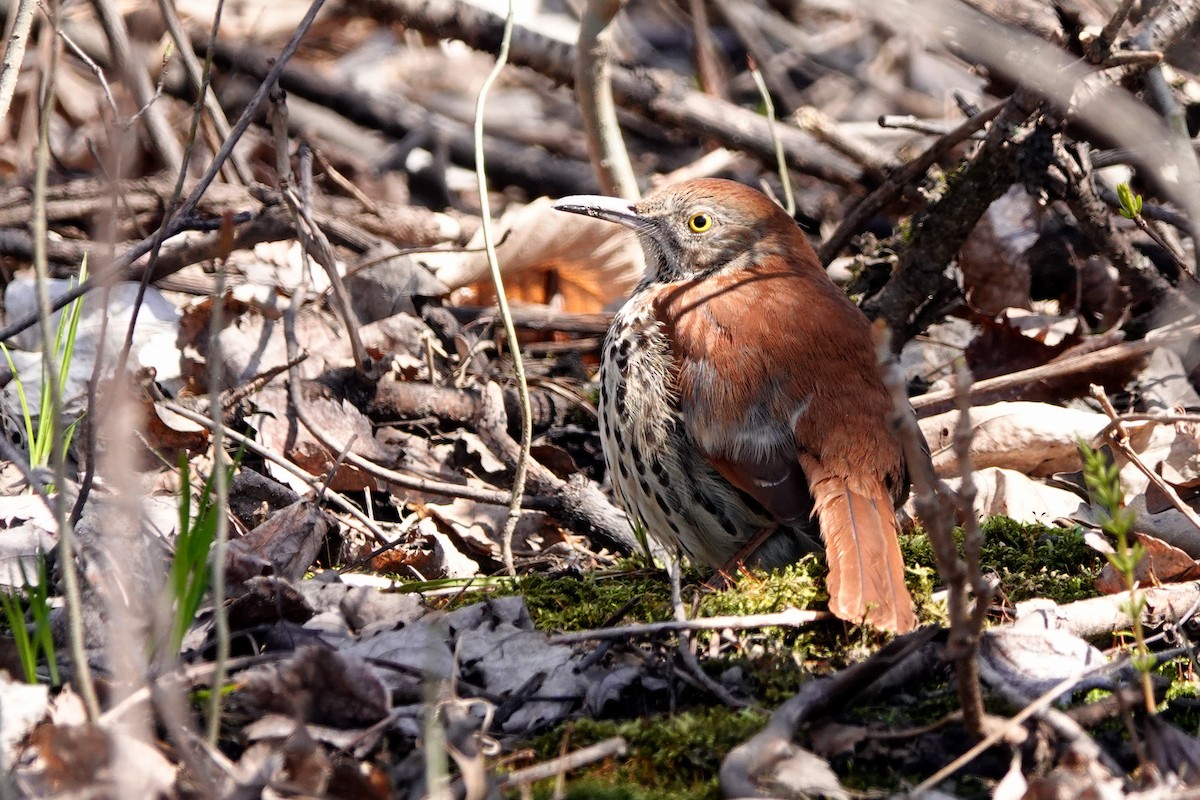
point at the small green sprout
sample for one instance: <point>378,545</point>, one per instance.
<point>1131,204</point>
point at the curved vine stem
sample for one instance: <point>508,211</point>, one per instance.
<point>489,244</point>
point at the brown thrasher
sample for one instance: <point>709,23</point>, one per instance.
<point>740,398</point>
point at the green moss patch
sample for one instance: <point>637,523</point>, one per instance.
<point>672,757</point>
<point>1030,560</point>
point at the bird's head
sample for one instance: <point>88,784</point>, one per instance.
<point>697,228</point>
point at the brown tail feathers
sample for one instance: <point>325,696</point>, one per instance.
<point>866,569</point>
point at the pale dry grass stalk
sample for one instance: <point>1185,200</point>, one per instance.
<point>789,199</point>
<point>66,536</point>
<point>521,469</point>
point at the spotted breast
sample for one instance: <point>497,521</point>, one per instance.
<point>658,473</point>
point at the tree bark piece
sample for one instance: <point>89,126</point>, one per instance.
<point>939,231</point>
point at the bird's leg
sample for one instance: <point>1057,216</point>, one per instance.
<point>738,559</point>
<point>675,574</point>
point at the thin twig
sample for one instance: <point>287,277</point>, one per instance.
<point>814,121</point>
<point>1098,49</point>
<point>691,664</point>
<point>895,183</point>
<point>200,77</point>
<point>1124,352</point>
<point>789,618</point>
<point>1117,435</point>
<point>599,751</point>
<point>966,626</point>
<point>14,53</point>
<point>999,732</point>
<point>1158,419</point>
<point>220,544</point>
<point>933,512</point>
<point>308,479</point>
<point>593,91</point>
<point>1161,241</point>
<point>180,220</point>
<point>66,535</point>
<point>311,236</point>
<point>97,70</point>
<point>910,123</point>
<point>159,130</point>
<point>108,277</point>
<point>349,188</point>
<point>21,461</point>
<point>522,465</point>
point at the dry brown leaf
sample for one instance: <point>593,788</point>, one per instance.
<point>1016,495</point>
<point>1017,339</point>
<point>1162,563</point>
<point>1170,525</point>
<point>1172,450</point>
<point>441,558</point>
<point>1174,752</point>
<point>1038,439</point>
<point>385,283</point>
<point>316,684</point>
<point>832,739</point>
<point>289,540</point>
<point>1163,384</point>
<point>252,341</point>
<point>479,526</point>
<point>277,727</point>
<point>578,264</point>
<point>337,419</point>
<point>90,760</point>
<point>1012,786</point>
<point>995,268</point>
<point>27,531</point>
<point>1034,661</point>
<point>24,707</point>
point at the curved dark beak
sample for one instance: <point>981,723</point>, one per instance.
<point>612,209</point>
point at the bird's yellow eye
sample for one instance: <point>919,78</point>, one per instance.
<point>699,223</point>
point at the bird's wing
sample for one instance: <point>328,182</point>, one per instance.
<point>778,387</point>
<point>733,400</point>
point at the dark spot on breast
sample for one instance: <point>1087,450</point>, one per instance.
<point>660,472</point>
<point>622,357</point>
<point>662,503</point>
<point>619,403</point>
<point>636,452</point>
<point>616,429</point>
<point>623,467</point>
<point>645,486</point>
<point>671,524</point>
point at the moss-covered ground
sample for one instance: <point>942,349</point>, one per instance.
<point>675,753</point>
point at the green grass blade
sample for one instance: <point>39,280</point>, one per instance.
<point>24,404</point>
<point>14,613</point>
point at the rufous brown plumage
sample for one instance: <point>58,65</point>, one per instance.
<point>741,401</point>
